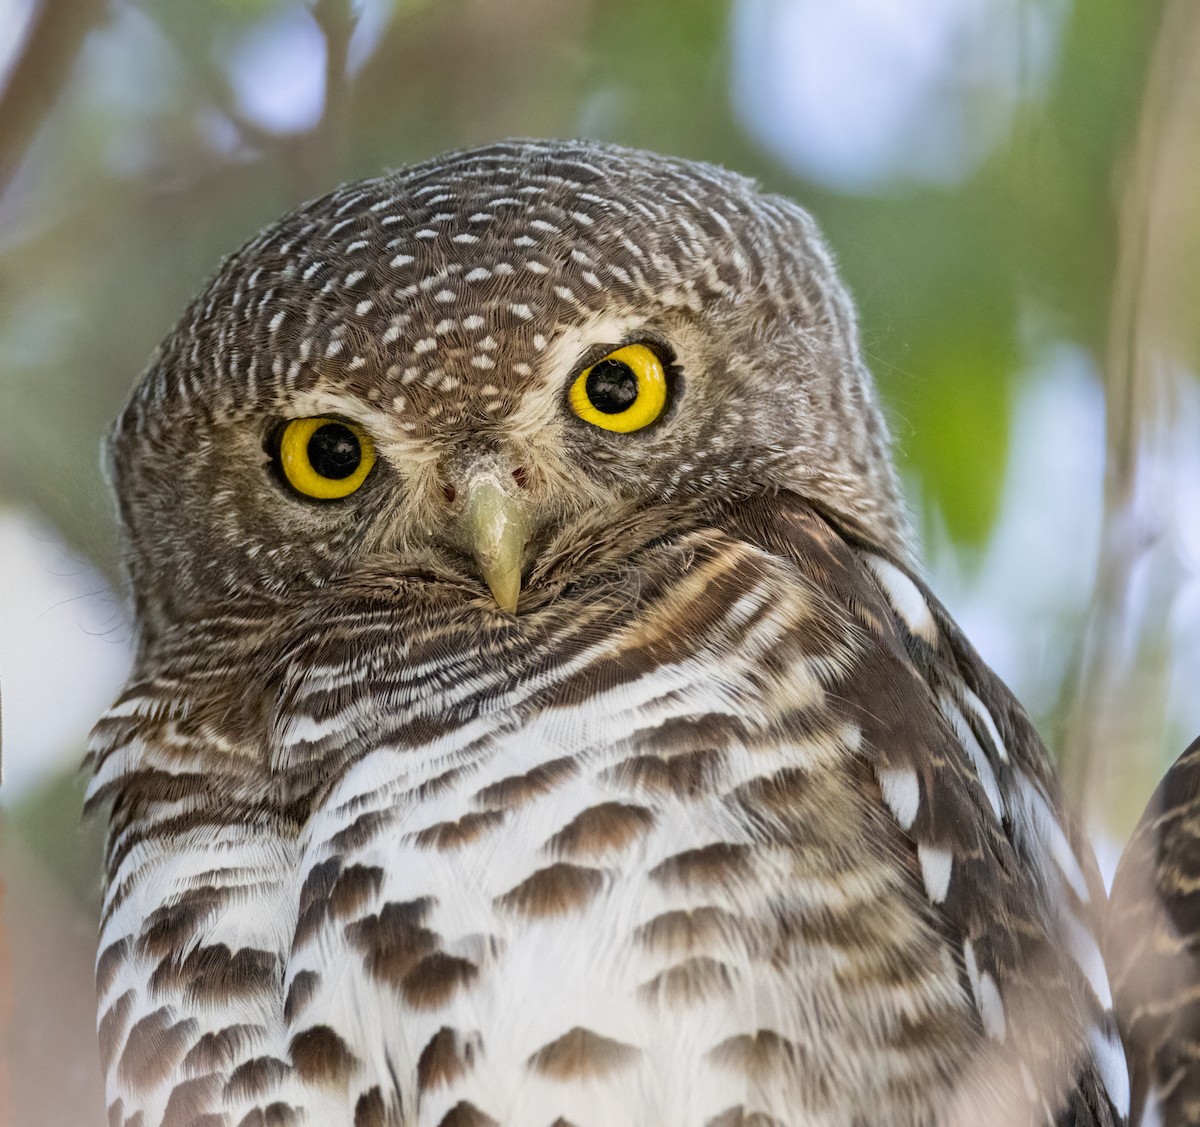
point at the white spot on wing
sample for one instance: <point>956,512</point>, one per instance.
<point>902,793</point>
<point>974,749</point>
<point>936,866</point>
<point>986,994</point>
<point>972,968</point>
<point>1084,949</point>
<point>905,598</point>
<point>1152,1109</point>
<point>991,1007</point>
<point>1114,1072</point>
<point>977,706</point>
<point>1052,837</point>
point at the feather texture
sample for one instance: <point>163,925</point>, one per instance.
<point>716,846</point>
<point>1151,942</point>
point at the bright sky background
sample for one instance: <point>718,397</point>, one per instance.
<point>64,651</point>
<point>859,93</point>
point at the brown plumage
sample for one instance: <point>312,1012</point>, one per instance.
<point>727,823</point>
<point>1152,942</point>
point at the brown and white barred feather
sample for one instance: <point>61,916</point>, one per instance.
<point>1152,943</point>
<point>741,833</point>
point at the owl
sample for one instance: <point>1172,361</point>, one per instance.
<point>539,717</point>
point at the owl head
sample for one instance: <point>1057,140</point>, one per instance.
<point>498,371</point>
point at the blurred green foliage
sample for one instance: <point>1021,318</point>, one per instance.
<point>49,823</point>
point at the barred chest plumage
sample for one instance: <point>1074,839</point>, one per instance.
<point>745,835</point>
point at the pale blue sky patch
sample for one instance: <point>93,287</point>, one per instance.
<point>64,652</point>
<point>860,94</point>
<point>277,72</point>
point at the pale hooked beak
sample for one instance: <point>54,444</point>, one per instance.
<point>495,529</point>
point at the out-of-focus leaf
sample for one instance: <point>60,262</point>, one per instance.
<point>1067,159</point>
<point>49,823</point>
<point>958,404</point>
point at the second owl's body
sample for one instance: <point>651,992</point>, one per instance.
<point>728,825</point>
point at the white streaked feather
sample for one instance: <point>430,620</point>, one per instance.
<point>902,793</point>
<point>973,748</point>
<point>936,867</point>
<point>1152,1112</point>
<point>1111,1065</point>
<point>1082,946</point>
<point>985,718</point>
<point>905,597</point>
<point>991,1007</point>
<point>1033,817</point>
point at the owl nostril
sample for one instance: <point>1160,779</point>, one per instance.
<point>521,477</point>
<point>449,492</point>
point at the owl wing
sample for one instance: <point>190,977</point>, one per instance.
<point>961,768</point>
<point>1152,941</point>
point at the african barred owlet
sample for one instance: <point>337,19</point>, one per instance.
<point>538,716</point>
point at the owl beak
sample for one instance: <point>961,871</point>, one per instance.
<point>495,528</point>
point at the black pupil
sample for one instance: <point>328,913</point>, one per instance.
<point>612,387</point>
<point>333,451</point>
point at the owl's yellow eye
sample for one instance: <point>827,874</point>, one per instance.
<point>325,458</point>
<point>625,391</point>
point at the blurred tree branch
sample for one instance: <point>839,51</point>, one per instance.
<point>336,20</point>
<point>1112,751</point>
<point>56,33</point>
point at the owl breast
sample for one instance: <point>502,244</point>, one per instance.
<point>634,876</point>
<point>727,838</point>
